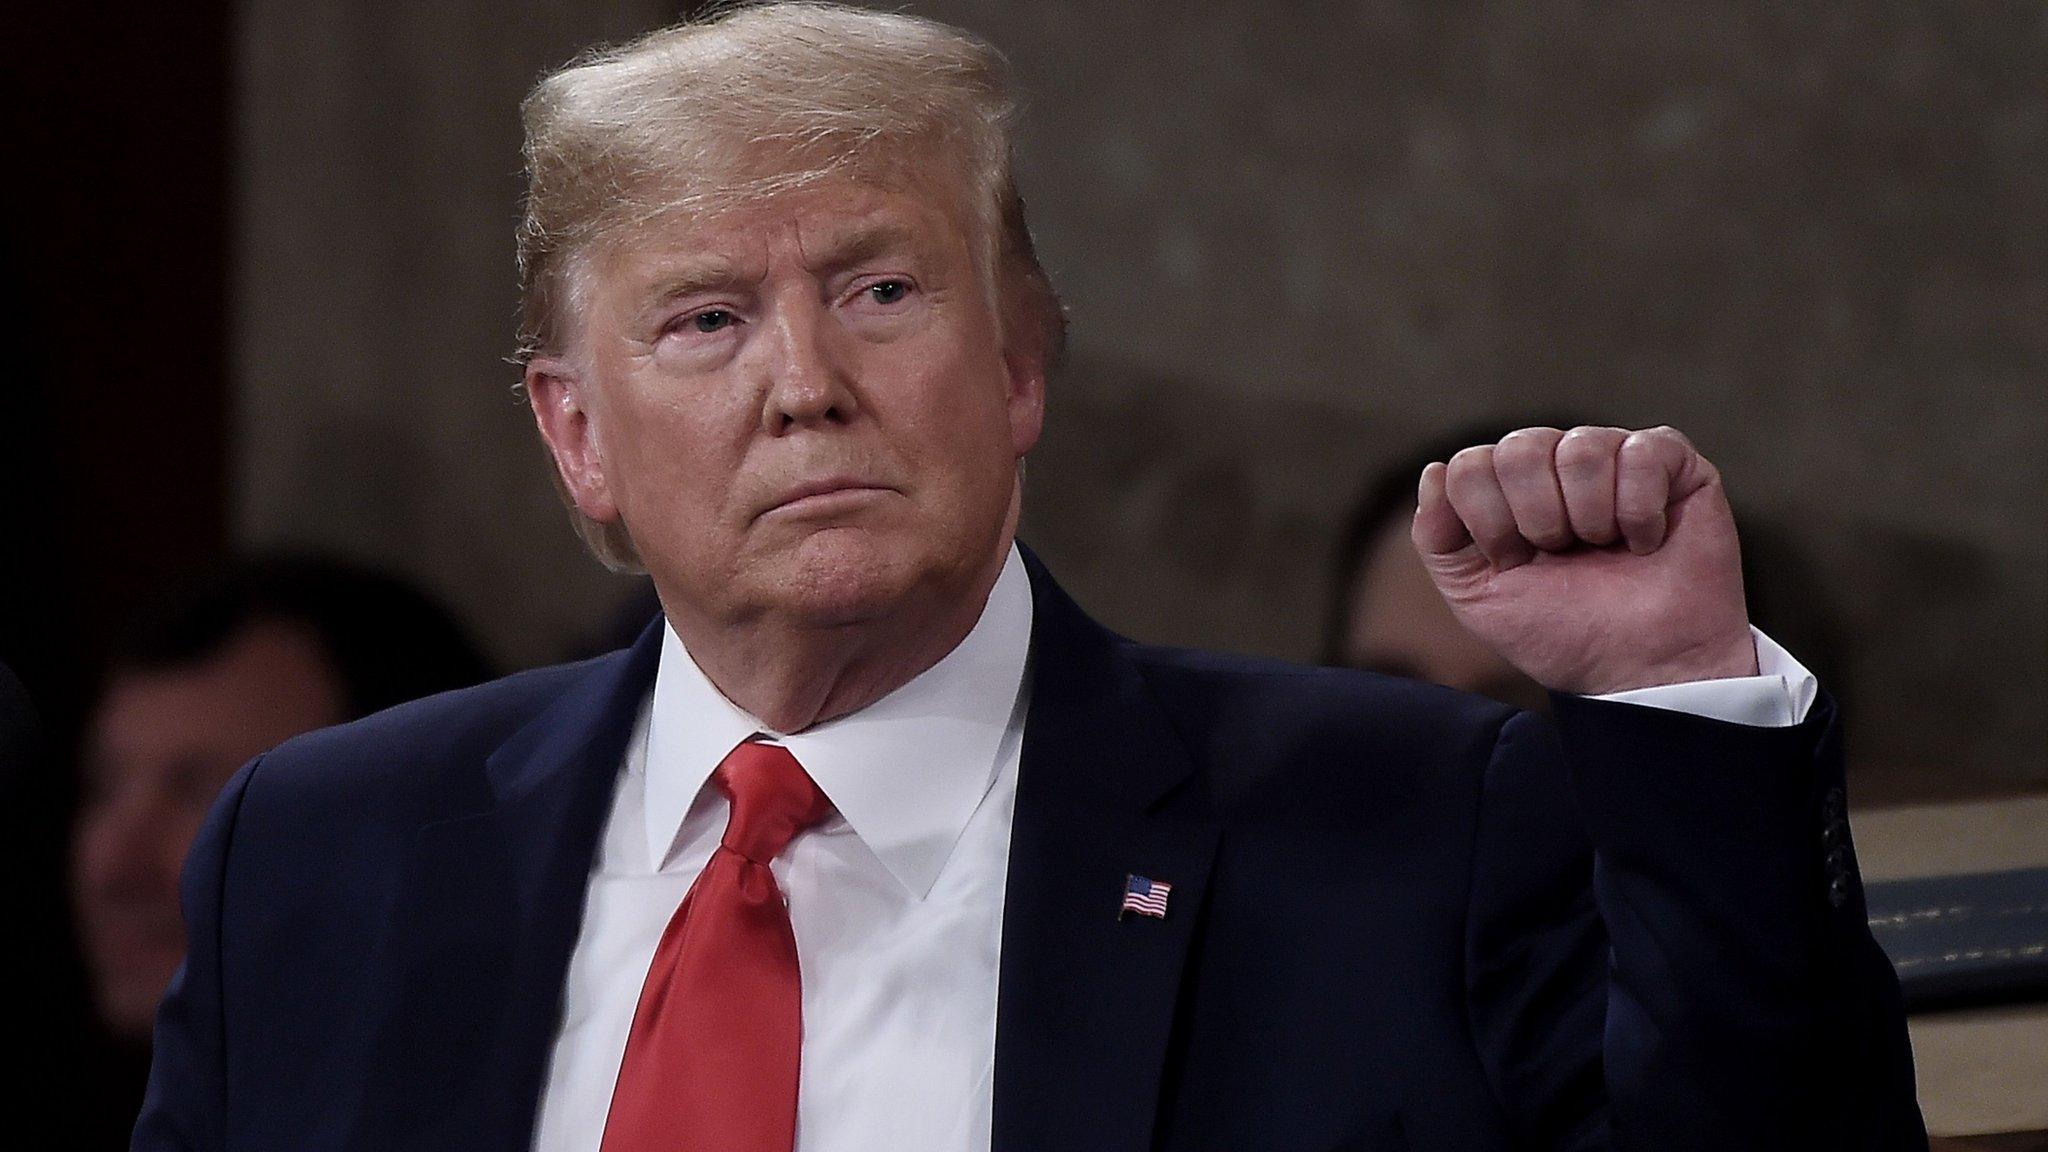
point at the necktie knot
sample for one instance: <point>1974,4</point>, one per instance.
<point>772,797</point>
<point>712,1059</point>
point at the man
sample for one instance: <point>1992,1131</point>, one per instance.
<point>220,667</point>
<point>878,842</point>
<point>230,664</point>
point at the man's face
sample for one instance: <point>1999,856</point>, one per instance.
<point>160,746</point>
<point>801,408</point>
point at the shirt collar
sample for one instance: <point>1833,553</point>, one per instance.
<point>906,772</point>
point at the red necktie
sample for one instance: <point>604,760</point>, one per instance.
<point>711,1062</point>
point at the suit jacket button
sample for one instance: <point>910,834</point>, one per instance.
<point>1838,890</point>
<point>1831,805</point>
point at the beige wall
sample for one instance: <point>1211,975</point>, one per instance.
<point>1294,237</point>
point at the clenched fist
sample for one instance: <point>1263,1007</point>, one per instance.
<point>1595,560</point>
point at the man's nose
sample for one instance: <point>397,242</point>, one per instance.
<point>808,381</point>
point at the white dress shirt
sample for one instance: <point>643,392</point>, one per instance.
<point>896,899</point>
<point>1778,696</point>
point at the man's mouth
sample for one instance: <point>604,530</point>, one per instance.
<point>826,497</point>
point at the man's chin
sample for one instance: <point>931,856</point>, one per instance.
<point>844,577</point>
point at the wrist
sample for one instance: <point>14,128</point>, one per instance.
<point>1728,659</point>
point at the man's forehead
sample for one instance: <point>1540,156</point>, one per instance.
<point>269,681</point>
<point>832,221</point>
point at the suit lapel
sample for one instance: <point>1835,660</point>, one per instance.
<point>1086,1000</point>
<point>1106,789</point>
<point>490,915</point>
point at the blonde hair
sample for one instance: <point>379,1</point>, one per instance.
<point>750,101</point>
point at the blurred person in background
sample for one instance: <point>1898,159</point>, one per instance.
<point>224,668</point>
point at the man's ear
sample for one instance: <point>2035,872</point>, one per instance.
<point>560,397</point>
<point>1025,369</point>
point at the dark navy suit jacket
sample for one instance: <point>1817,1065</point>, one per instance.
<point>1401,918</point>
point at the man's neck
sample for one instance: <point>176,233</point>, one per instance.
<point>792,677</point>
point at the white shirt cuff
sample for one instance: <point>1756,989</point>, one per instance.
<point>1779,696</point>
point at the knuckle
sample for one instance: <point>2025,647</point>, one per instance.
<point>1534,434</point>
<point>1583,453</point>
<point>1525,447</point>
<point>1470,462</point>
<point>1639,450</point>
<point>1594,438</point>
<point>1663,437</point>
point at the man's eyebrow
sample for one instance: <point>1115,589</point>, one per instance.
<point>861,243</point>
<point>851,246</point>
<point>690,279</point>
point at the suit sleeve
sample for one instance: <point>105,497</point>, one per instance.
<point>1689,967</point>
<point>185,1107</point>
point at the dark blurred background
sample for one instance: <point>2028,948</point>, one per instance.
<point>262,261</point>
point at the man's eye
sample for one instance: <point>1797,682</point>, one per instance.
<point>888,291</point>
<point>712,320</point>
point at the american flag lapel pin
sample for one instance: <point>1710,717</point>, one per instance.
<point>1145,896</point>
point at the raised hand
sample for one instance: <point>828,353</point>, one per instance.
<point>1595,560</point>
